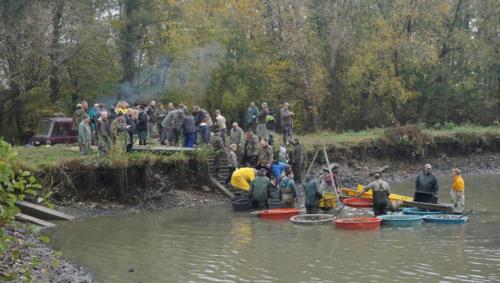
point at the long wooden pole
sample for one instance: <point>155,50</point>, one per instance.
<point>312,162</point>
<point>331,176</point>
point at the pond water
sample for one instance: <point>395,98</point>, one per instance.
<point>213,244</point>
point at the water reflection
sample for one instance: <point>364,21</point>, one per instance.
<point>215,245</point>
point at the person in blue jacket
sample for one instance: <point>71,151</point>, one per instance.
<point>276,169</point>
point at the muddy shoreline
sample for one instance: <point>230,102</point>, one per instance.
<point>352,172</point>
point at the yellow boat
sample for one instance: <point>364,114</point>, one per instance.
<point>369,194</point>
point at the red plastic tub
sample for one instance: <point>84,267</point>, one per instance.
<point>359,223</point>
<point>358,202</point>
<point>278,213</point>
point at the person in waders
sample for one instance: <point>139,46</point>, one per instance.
<point>288,190</point>
<point>260,190</point>
<point>381,191</point>
<point>312,194</point>
<point>426,186</point>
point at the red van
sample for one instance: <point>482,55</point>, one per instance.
<point>54,131</point>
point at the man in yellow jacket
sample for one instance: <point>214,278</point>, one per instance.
<point>242,178</point>
<point>457,191</point>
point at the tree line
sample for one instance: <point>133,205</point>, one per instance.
<point>341,64</point>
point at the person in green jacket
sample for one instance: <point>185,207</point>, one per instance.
<point>260,190</point>
<point>84,135</point>
<point>288,190</point>
<point>312,194</point>
<point>251,149</point>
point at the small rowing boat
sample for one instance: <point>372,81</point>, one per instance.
<point>446,219</point>
<point>430,206</point>
<point>369,194</point>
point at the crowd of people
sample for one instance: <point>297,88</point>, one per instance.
<point>253,165</point>
<point>174,125</point>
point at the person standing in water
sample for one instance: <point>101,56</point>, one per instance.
<point>457,191</point>
<point>426,186</point>
<point>381,191</point>
<point>288,190</point>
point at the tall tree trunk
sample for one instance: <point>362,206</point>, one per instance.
<point>55,50</point>
<point>128,49</point>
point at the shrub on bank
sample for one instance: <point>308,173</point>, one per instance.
<point>15,184</point>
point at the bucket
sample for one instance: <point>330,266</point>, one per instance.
<point>240,203</point>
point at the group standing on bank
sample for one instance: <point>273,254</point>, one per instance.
<point>253,165</point>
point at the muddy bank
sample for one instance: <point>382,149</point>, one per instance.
<point>44,264</point>
<point>354,172</point>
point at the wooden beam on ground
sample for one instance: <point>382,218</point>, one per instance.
<point>221,187</point>
<point>31,219</point>
<point>42,212</point>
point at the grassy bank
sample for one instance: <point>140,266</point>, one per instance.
<point>53,155</point>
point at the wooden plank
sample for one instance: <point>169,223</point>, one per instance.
<point>26,218</point>
<point>42,212</point>
<point>221,187</point>
<point>431,206</point>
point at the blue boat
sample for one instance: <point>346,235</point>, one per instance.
<point>446,219</point>
<point>418,211</point>
<point>399,220</point>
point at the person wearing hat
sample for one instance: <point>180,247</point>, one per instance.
<point>312,194</point>
<point>326,182</point>
<point>287,190</point>
<point>381,191</point>
<point>426,186</point>
<point>81,110</point>
<point>260,190</point>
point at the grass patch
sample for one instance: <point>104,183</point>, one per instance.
<point>35,157</point>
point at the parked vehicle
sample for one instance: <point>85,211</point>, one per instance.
<point>55,130</point>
